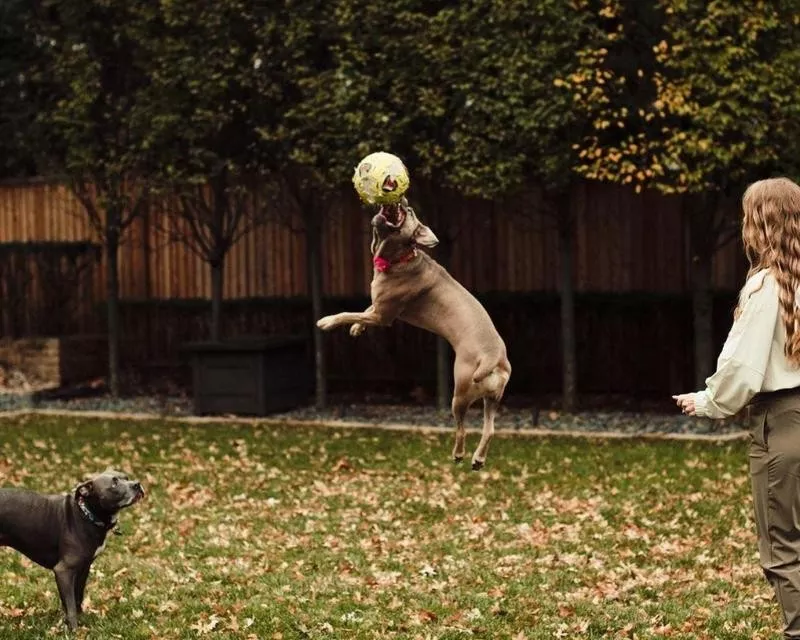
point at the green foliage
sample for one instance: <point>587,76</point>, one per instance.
<point>319,131</point>
<point>217,81</point>
<point>93,65</point>
<point>730,85</point>
<point>481,96</point>
<point>93,118</point>
<point>17,109</point>
<point>463,92</point>
<point>466,93</point>
<point>371,90</point>
<point>721,99</point>
<point>512,121</point>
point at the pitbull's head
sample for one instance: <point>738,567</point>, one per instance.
<point>396,229</point>
<point>107,493</point>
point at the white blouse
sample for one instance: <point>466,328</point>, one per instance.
<point>752,359</point>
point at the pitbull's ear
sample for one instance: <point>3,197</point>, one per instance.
<point>84,489</point>
<point>424,236</point>
<point>373,246</point>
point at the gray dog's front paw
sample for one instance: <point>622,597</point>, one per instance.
<point>357,329</point>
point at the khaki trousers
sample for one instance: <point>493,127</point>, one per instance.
<point>775,476</point>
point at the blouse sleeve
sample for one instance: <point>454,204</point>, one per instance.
<point>743,360</point>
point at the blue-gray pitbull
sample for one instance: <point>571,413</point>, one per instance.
<point>66,532</point>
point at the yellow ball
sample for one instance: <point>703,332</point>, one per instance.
<point>381,178</point>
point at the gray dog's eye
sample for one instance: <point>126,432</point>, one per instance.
<point>115,481</point>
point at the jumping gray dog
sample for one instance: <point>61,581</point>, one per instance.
<point>409,285</point>
<point>66,532</point>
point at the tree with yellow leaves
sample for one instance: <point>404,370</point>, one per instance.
<point>723,110</point>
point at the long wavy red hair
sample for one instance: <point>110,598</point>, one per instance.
<point>771,237</point>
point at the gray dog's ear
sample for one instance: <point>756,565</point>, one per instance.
<point>425,237</point>
<point>83,489</point>
<point>373,247</point>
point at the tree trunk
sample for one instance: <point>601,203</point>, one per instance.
<point>701,224</point>
<point>703,319</point>
<point>567,293</point>
<point>148,294</point>
<point>314,257</point>
<point>112,304</point>
<point>217,267</point>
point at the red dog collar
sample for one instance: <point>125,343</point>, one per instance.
<point>382,264</point>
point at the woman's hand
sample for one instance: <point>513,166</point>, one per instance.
<point>686,403</point>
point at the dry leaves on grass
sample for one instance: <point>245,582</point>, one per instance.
<point>285,533</point>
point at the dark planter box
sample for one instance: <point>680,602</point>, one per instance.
<point>250,376</point>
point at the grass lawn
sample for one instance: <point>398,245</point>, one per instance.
<point>263,532</point>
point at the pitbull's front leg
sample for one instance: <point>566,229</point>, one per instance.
<point>65,579</point>
<point>80,585</point>
<point>357,329</point>
<point>372,316</point>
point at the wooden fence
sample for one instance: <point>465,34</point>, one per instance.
<point>626,242</point>
<point>628,247</point>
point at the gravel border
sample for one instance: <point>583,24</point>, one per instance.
<point>516,419</point>
<point>510,420</point>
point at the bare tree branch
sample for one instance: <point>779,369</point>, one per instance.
<point>134,208</point>
<point>82,191</point>
<point>190,211</point>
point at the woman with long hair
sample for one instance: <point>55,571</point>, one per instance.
<point>759,367</point>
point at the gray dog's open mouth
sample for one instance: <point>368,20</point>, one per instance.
<point>393,214</point>
<point>138,495</point>
<point>389,184</point>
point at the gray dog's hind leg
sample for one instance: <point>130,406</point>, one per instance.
<point>490,406</point>
<point>460,407</point>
